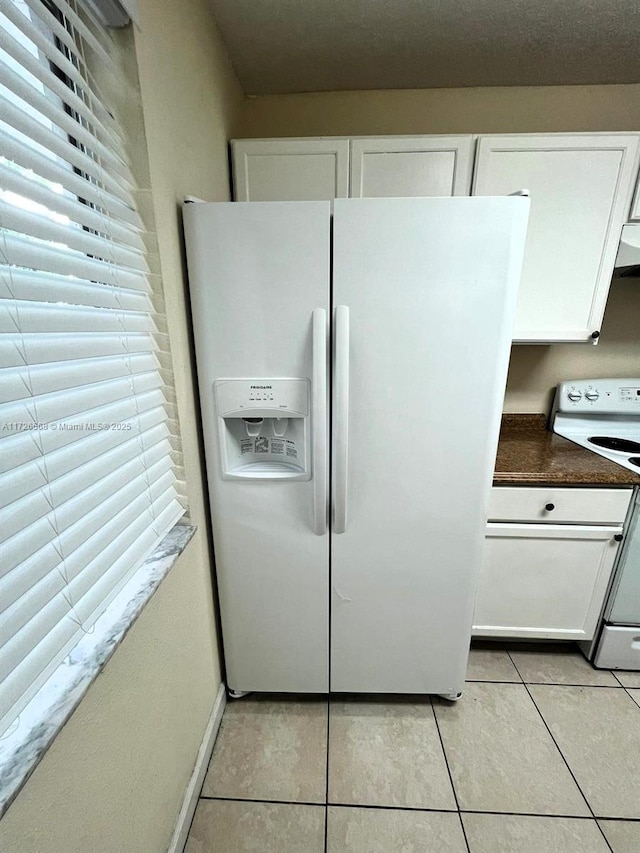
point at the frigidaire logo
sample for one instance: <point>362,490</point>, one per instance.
<point>261,387</point>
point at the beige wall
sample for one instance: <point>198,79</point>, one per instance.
<point>535,370</point>
<point>115,776</point>
<point>490,110</point>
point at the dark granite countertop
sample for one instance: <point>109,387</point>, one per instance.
<point>529,455</point>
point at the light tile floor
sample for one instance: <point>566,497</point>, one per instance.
<point>541,755</point>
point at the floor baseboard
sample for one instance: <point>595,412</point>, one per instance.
<point>183,822</point>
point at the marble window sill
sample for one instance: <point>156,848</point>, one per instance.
<point>22,748</point>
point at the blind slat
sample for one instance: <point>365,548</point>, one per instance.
<point>74,522</point>
<point>26,252</point>
<point>50,22</point>
<point>33,317</point>
<point>37,132</point>
<point>49,169</point>
<point>74,408</point>
<point>91,586</point>
<point>102,548</point>
<point>84,33</point>
<point>40,647</point>
<point>16,349</point>
<point>55,481</point>
<point>69,559</point>
<point>36,380</point>
<point>48,47</point>
<point>66,448</point>
<point>54,84</point>
<point>45,107</point>
<point>65,205</point>
<point>44,656</point>
<point>37,504</point>
<point>34,286</point>
<point>68,235</point>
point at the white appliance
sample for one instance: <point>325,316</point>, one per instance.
<point>347,548</point>
<point>618,645</point>
<point>628,257</point>
<point>602,415</point>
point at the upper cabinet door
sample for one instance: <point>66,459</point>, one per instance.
<point>580,187</point>
<point>407,166</point>
<point>290,169</point>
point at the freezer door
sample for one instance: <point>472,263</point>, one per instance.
<point>259,284</point>
<point>430,285</point>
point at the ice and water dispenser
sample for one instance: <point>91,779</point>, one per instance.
<point>264,428</point>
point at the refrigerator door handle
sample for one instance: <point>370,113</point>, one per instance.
<point>319,421</point>
<point>341,385</point>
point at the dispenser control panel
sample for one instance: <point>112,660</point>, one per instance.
<point>289,397</point>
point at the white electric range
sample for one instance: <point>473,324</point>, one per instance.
<point>603,415</point>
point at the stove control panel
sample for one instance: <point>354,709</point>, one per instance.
<point>599,396</point>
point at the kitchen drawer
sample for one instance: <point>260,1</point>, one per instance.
<point>570,506</point>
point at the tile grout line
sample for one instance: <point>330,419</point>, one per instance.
<point>553,684</point>
<point>626,690</point>
<point>453,787</point>
<point>326,777</point>
<point>322,805</point>
<point>326,824</point>
<point>553,816</point>
<point>526,687</point>
<point>624,686</point>
<point>428,811</point>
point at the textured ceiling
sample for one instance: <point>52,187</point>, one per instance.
<point>325,45</point>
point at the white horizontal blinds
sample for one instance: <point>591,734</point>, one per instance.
<point>90,460</point>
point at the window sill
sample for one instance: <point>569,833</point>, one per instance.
<point>22,747</point>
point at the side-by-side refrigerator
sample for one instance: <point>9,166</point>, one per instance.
<point>351,369</point>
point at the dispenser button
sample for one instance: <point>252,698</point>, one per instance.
<point>574,395</point>
<point>591,394</point>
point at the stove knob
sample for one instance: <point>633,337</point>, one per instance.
<point>591,394</point>
<point>574,395</point>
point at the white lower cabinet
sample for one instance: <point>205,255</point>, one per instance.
<point>546,580</point>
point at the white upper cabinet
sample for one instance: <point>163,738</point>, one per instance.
<point>580,187</point>
<point>290,169</point>
<point>405,166</point>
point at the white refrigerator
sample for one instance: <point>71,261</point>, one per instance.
<point>351,370</point>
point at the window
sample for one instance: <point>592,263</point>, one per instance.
<point>89,449</point>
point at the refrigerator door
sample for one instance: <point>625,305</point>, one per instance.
<point>430,286</point>
<point>259,282</point>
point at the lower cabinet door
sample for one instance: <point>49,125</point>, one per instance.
<point>543,580</point>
